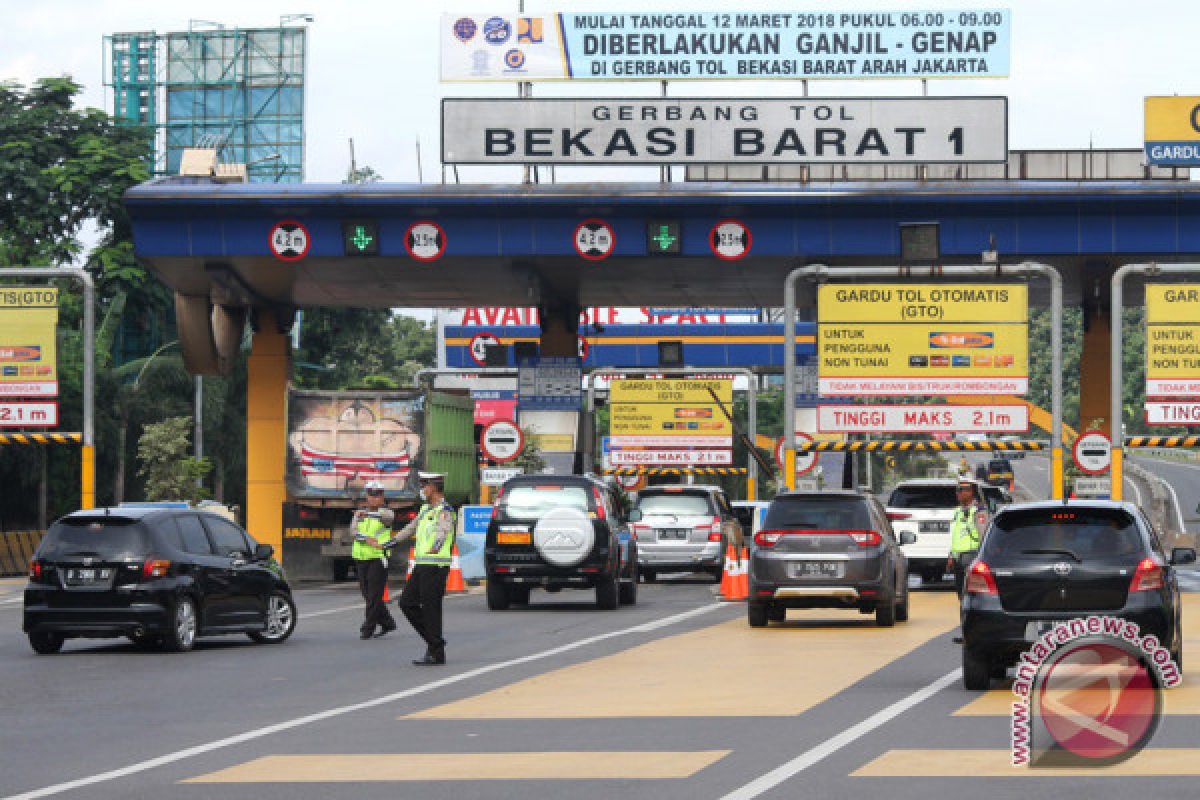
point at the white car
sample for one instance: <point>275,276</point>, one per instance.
<point>925,509</point>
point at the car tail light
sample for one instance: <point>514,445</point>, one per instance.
<point>600,513</point>
<point>155,568</point>
<point>768,538</point>
<point>895,515</point>
<point>1147,577</point>
<point>35,570</point>
<point>865,538</point>
<point>980,580</point>
<point>715,536</point>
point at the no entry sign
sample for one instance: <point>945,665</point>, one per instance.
<point>289,240</point>
<point>502,441</point>
<point>480,343</point>
<point>1093,452</point>
<point>804,461</point>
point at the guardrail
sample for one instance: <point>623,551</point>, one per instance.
<point>917,446</point>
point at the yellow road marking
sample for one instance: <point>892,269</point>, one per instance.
<point>723,670</point>
<point>548,766</point>
<point>973,764</point>
<point>1183,700</point>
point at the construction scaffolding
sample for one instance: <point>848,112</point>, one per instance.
<point>240,90</point>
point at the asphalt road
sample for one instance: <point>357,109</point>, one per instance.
<point>675,698</point>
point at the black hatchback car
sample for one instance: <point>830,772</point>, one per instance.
<point>1043,563</point>
<point>560,532</point>
<point>158,576</point>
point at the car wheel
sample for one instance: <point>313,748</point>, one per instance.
<point>607,593</point>
<point>46,643</point>
<point>902,608</point>
<point>977,672</point>
<point>628,590</point>
<point>497,595</point>
<point>885,612</point>
<point>518,595</point>
<point>756,615</point>
<point>281,620</point>
<point>341,571</point>
<point>776,613</point>
<point>649,576</point>
<point>180,633</point>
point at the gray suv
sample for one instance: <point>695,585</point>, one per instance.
<point>833,549</point>
<point>684,528</point>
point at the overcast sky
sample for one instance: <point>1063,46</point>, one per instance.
<point>1079,68</point>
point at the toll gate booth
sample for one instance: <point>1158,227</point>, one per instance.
<point>258,252</point>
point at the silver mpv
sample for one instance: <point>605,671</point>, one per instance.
<point>684,528</point>
<point>833,549</point>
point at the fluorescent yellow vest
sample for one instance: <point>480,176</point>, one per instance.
<point>362,551</point>
<point>964,533</point>
<point>427,534</point>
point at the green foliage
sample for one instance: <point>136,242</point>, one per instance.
<point>530,458</point>
<point>363,348</point>
<point>170,473</point>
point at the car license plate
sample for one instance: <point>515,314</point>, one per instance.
<point>524,537</point>
<point>937,526</point>
<point>673,533</point>
<point>88,575</point>
<point>817,569</point>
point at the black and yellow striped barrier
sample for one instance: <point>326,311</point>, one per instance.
<point>41,438</point>
<point>902,445</point>
<point>676,471</point>
<point>1162,441</point>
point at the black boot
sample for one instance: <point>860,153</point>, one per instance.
<point>432,658</point>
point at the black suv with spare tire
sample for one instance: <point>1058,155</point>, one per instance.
<point>160,576</point>
<point>559,532</point>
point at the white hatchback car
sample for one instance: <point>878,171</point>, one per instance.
<point>925,508</point>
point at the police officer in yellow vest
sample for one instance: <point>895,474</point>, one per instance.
<point>433,531</point>
<point>372,528</point>
<point>966,531</point>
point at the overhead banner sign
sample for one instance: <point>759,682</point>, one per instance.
<point>924,130</point>
<point>28,355</point>
<point>922,339</point>
<point>670,421</point>
<point>792,45</point>
<point>1172,131</point>
<point>1172,340</point>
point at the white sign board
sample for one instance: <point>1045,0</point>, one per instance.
<point>922,419</point>
<point>1093,487</point>
<point>894,130</point>
<point>1093,452</point>
<point>29,414</point>
<point>691,458</point>
<point>787,44</point>
<point>1181,412</point>
<point>496,476</point>
<point>502,441</point>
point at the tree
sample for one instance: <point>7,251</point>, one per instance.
<point>530,458</point>
<point>170,473</point>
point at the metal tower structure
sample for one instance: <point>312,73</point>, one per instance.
<point>238,89</point>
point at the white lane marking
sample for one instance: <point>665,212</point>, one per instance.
<point>1171,488</point>
<point>311,614</point>
<point>806,759</point>
<point>320,716</point>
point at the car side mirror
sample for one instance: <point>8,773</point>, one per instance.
<point>1183,555</point>
<point>635,515</point>
<point>907,537</point>
<point>263,552</point>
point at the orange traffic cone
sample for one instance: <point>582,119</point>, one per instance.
<point>455,583</point>
<point>728,589</point>
<point>743,583</point>
<point>408,575</point>
<point>387,596</point>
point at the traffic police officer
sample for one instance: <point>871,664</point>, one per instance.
<point>372,533</point>
<point>966,531</point>
<point>433,531</point>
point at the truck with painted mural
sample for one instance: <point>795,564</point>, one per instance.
<point>339,440</point>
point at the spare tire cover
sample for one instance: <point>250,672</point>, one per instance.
<point>564,536</point>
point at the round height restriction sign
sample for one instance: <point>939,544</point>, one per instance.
<point>425,241</point>
<point>1093,452</point>
<point>805,461</point>
<point>480,343</point>
<point>594,239</point>
<point>502,441</point>
<point>729,239</point>
<point>289,240</point>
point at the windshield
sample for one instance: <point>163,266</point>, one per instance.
<point>923,497</point>
<point>818,513</point>
<point>695,504</point>
<point>536,501</point>
<point>1079,533</point>
<point>98,537</point>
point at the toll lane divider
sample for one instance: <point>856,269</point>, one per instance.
<point>41,438</point>
<point>354,708</point>
<point>16,549</point>
<point>1162,441</point>
<point>675,471</point>
<point>901,445</point>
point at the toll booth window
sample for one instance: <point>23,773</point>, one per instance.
<point>360,237</point>
<point>663,238</point>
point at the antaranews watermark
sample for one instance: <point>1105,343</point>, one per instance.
<point>1088,692</point>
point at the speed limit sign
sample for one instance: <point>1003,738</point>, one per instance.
<point>289,240</point>
<point>805,461</point>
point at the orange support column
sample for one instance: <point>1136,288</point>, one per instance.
<point>267,372</point>
<point>1095,379</point>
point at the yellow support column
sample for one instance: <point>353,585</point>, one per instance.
<point>87,477</point>
<point>789,468</point>
<point>751,488</point>
<point>267,372</point>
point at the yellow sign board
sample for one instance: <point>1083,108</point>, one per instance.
<point>1172,351</point>
<point>28,356</point>
<point>670,390</point>
<point>1173,119</point>
<point>1172,303</point>
<point>923,350</point>
<point>670,412</point>
<point>554,442</point>
<point>938,303</point>
<point>668,419</point>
